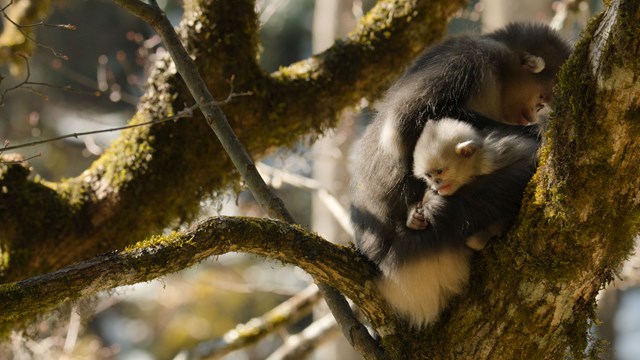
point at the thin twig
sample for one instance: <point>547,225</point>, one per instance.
<point>299,346</point>
<point>21,161</point>
<point>23,82</point>
<point>183,114</point>
<point>30,38</point>
<point>23,85</point>
<point>187,112</point>
<point>258,328</point>
<point>44,24</point>
<point>6,6</point>
<point>329,200</point>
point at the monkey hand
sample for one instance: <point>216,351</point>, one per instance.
<point>415,218</point>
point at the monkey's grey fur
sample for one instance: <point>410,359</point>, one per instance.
<point>462,78</point>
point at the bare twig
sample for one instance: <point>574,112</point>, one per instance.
<point>44,24</point>
<point>16,159</point>
<point>299,346</point>
<point>23,85</point>
<point>21,28</point>
<point>256,329</point>
<point>328,199</point>
<point>353,330</point>
<point>21,161</point>
<point>6,6</point>
<point>72,333</point>
<point>184,113</point>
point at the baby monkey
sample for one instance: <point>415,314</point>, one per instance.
<point>450,153</point>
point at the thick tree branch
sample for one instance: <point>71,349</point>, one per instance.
<point>216,119</point>
<point>534,289</point>
<point>151,259</point>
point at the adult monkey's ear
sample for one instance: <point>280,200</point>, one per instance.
<point>531,63</point>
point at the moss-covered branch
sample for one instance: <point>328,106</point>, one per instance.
<point>532,294</point>
<point>151,178</point>
<point>337,265</point>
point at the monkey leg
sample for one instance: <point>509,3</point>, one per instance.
<point>479,240</point>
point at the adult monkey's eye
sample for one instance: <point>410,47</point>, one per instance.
<point>428,175</point>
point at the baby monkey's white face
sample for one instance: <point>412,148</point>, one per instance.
<point>450,170</point>
<point>446,155</point>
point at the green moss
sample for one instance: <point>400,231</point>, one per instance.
<point>174,238</point>
<point>30,304</point>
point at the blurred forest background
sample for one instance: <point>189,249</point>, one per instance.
<point>109,56</point>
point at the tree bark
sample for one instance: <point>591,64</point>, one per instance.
<point>162,255</point>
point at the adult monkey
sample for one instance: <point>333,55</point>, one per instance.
<point>506,75</point>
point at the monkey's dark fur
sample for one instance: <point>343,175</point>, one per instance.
<point>457,78</point>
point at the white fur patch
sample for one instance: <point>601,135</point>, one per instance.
<point>421,289</point>
<point>390,139</point>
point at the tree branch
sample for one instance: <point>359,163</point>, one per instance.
<point>276,176</point>
<point>300,346</point>
<point>16,38</point>
<point>151,259</point>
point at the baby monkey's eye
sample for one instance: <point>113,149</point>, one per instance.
<point>439,171</point>
<point>428,175</point>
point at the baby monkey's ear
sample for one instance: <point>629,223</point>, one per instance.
<point>467,148</point>
<point>531,63</point>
